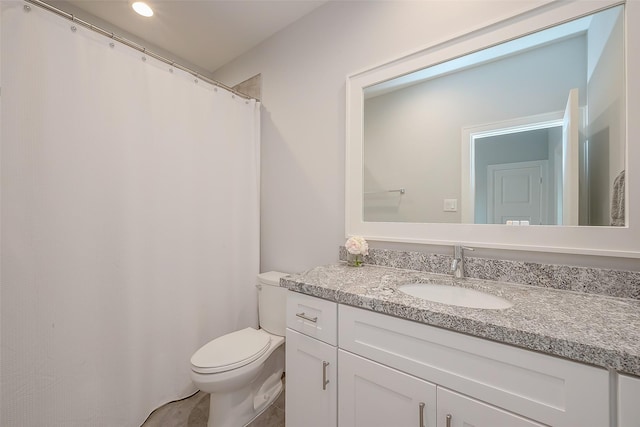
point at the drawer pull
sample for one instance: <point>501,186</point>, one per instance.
<point>325,381</point>
<point>421,409</point>
<point>310,319</point>
<point>448,420</point>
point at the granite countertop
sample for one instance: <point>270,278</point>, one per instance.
<point>594,329</point>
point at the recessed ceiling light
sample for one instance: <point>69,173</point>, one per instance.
<point>142,8</point>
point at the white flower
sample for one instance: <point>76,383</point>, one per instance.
<point>357,245</point>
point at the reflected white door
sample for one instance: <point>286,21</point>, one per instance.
<point>570,160</point>
<point>517,191</point>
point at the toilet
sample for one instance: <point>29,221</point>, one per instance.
<point>243,369</point>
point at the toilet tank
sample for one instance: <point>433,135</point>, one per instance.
<point>272,302</point>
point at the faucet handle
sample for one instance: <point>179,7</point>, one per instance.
<point>457,250</point>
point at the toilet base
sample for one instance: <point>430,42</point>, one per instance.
<point>240,407</point>
<point>267,406</point>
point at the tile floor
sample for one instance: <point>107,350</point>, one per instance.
<point>194,412</point>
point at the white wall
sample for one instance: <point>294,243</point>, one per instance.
<point>304,69</point>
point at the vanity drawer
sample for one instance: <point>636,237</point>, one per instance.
<point>544,388</point>
<point>313,316</point>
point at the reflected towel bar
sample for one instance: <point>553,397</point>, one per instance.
<point>400,190</point>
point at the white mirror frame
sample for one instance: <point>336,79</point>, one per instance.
<point>599,240</point>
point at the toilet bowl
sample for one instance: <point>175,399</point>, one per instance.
<point>243,370</point>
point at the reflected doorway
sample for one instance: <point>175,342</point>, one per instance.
<point>518,176</point>
<point>515,171</point>
<point>545,194</point>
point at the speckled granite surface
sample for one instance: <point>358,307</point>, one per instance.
<point>589,328</point>
<point>616,283</point>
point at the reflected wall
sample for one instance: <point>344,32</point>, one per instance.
<point>412,135</point>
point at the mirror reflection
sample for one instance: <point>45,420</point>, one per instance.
<point>531,130</point>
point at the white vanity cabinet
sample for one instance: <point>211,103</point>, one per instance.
<point>502,385</point>
<point>628,401</point>
<point>374,395</point>
<point>311,357</point>
<point>396,372</point>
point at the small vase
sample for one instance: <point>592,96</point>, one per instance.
<point>354,260</point>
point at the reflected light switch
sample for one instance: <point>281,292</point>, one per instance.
<point>450,205</point>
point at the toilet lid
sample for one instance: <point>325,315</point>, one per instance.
<point>231,351</point>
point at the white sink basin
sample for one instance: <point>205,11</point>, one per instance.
<point>454,295</point>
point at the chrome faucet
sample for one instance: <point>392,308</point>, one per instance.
<point>457,265</point>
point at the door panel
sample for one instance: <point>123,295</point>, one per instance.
<point>570,160</point>
<point>310,400</point>
<point>517,191</point>
<point>373,395</point>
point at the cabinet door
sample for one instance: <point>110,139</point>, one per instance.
<point>373,395</point>
<point>628,401</point>
<point>311,397</point>
<point>456,410</point>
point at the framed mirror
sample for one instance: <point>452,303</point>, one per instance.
<point>512,136</point>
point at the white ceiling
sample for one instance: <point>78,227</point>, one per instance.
<point>205,33</point>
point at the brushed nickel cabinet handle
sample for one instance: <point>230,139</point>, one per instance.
<point>325,381</point>
<point>448,420</point>
<point>310,319</point>
<point>421,409</point>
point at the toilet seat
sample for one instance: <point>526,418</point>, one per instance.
<point>231,351</point>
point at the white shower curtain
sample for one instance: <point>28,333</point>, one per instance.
<point>130,224</point>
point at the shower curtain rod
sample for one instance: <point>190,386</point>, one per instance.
<point>133,45</point>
